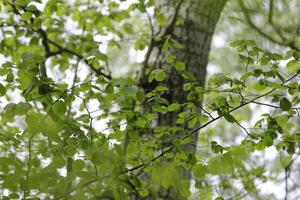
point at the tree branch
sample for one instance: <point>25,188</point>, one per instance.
<point>46,41</point>
<point>63,49</point>
<point>171,147</point>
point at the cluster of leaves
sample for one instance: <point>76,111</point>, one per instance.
<point>53,145</point>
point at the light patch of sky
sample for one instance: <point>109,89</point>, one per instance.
<point>270,187</point>
<point>218,41</point>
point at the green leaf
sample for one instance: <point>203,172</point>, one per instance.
<point>199,171</point>
<point>293,66</point>
<point>276,56</point>
<point>222,164</point>
<point>143,192</point>
<point>285,104</point>
<point>170,58</point>
<point>26,16</point>
<point>161,88</point>
<point>10,110</point>
<point>165,175</point>
<point>2,90</point>
<point>59,107</point>
<point>229,118</point>
<point>14,196</point>
<point>218,79</point>
<point>84,118</point>
<point>268,141</point>
<point>260,146</point>
<point>160,76</point>
<point>297,136</point>
<point>101,56</point>
<point>192,122</point>
<point>131,90</point>
<point>109,89</point>
<point>265,61</point>
<point>140,44</point>
<point>141,123</point>
<point>179,66</point>
<point>173,106</point>
<point>175,44</point>
<point>188,75</point>
<point>235,43</point>
<point>23,108</point>
<point>118,135</point>
<point>157,74</point>
<point>140,96</point>
<point>162,20</point>
<point>37,23</point>
<point>10,77</point>
<point>216,148</point>
<point>78,165</point>
<point>187,140</point>
<point>58,162</point>
<point>166,46</point>
<point>203,118</point>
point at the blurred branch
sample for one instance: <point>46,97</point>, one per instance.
<point>297,33</point>
<point>273,106</point>
<point>287,174</point>
<point>249,21</point>
<point>73,85</point>
<point>242,127</point>
<point>27,188</point>
<point>271,21</point>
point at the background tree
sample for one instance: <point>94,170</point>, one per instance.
<point>189,28</point>
<point>66,121</point>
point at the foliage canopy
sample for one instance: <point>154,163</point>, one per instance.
<point>71,130</point>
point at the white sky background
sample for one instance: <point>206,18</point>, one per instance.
<point>218,41</point>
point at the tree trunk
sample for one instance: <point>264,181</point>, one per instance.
<point>199,18</point>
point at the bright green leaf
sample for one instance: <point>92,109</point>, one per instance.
<point>179,66</point>
<point>173,106</point>
<point>293,66</point>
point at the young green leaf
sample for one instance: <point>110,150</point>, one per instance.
<point>173,106</point>
<point>157,74</point>
<point>179,66</point>
<point>293,66</point>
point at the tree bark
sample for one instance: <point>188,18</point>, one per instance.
<point>199,19</point>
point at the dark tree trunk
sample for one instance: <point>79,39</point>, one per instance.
<point>199,18</point>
